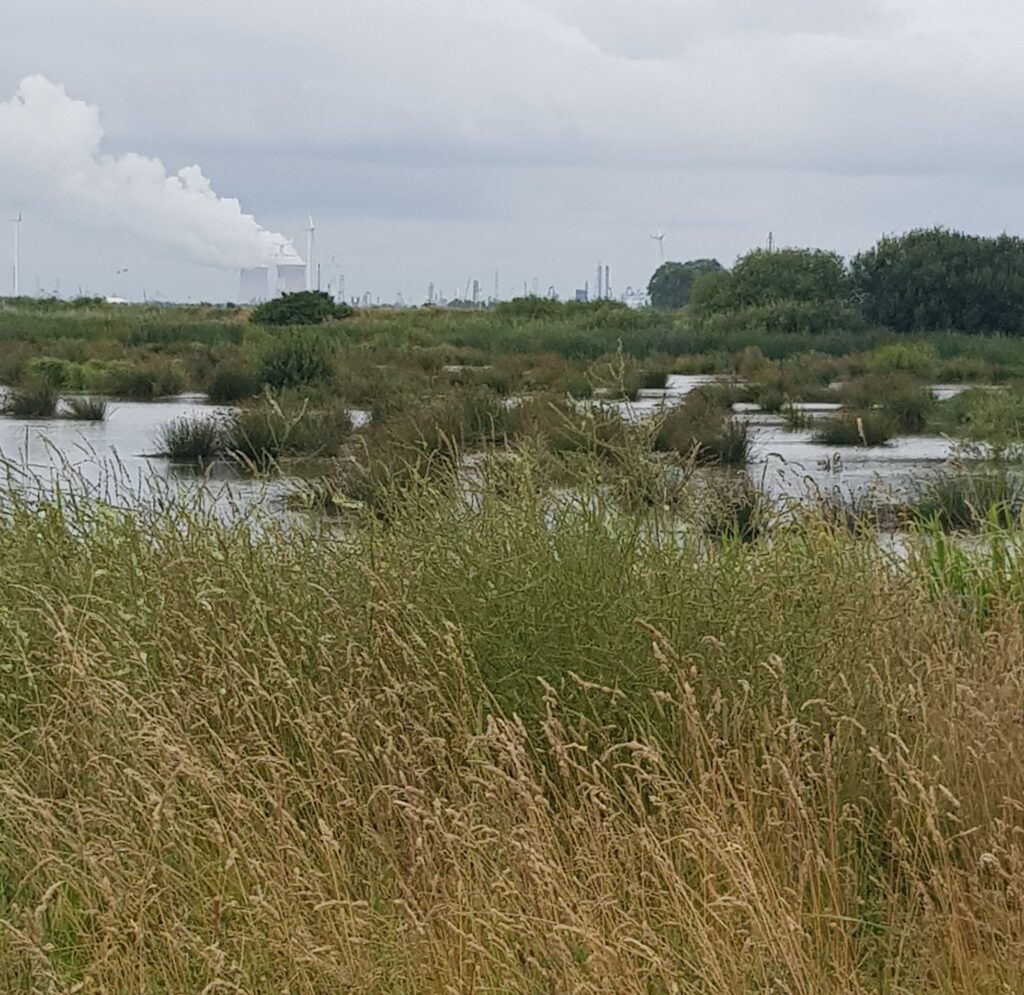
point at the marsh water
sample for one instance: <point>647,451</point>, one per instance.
<point>114,458</point>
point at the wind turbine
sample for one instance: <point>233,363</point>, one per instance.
<point>660,239</point>
<point>17,251</point>
<point>310,245</point>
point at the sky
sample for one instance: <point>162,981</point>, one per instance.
<point>154,148</point>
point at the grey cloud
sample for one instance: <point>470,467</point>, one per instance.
<point>463,114</point>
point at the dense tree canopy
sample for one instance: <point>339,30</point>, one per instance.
<point>309,307</point>
<point>937,279</point>
<point>670,286</point>
<point>759,279</point>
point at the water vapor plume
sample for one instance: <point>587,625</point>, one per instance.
<point>51,153</point>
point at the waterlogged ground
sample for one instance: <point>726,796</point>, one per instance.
<point>114,458</point>
<point>787,463</point>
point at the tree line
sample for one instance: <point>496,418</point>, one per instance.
<point>926,280</point>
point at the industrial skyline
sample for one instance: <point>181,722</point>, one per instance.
<point>559,133</point>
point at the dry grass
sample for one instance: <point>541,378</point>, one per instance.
<point>509,745</point>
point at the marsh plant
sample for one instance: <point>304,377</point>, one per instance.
<point>704,429</point>
<point>866,428</point>
<point>34,400</point>
<point>84,408</point>
<point>191,439</point>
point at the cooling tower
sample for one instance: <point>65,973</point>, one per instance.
<point>254,285</point>
<point>291,277</point>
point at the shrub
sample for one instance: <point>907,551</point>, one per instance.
<point>908,403</point>
<point>918,358</point>
<point>704,431</point>
<point>271,430</point>
<point>458,420</point>
<point>309,307</point>
<point>966,498</point>
<point>56,373</point>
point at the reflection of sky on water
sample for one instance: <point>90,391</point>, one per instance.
<point>108,459</point>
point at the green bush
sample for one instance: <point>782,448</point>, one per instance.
<point>271,430</point>
<point>918,358</point>
<point>309,307</point>
<point>703,430</point>
<point>60,374</point>
<point>908,403</point>
<point>968,498</point>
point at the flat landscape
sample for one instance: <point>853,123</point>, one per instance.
<point>538,648</point>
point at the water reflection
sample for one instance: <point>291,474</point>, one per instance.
<point>112,459</point>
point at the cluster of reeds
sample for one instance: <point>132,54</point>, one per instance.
<point>258,434</point>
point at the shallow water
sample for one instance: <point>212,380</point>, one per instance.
<point>109,458</point>
<point>788,464</point>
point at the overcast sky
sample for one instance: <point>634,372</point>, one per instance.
<point>442,140</point>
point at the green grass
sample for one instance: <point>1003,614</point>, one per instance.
<point>231,382</point>
<point>272,429</point>
<point>967,498</point>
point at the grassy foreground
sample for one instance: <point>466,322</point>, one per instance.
<point>509,745</point>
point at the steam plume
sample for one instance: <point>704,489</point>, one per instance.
<point>50,151</point>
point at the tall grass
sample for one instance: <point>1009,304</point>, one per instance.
<point>703,429</point>
<point>191,439</point>
<point>518,744</point>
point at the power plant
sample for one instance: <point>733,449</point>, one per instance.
<point>254,285</point>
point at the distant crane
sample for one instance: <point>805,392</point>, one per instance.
<point>17,252</point>
<point>660,239</point>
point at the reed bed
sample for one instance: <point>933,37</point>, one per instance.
<point>524,743</point>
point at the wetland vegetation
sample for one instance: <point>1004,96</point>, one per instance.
<point>536,684</point>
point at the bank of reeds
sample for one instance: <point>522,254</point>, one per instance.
<point>969,497</point>
<point>520,744</point>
